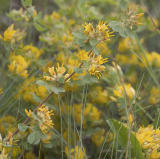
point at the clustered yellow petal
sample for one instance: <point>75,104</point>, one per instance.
<point>12,35</point>
<point>18,64</point>
<point>101,32</point>
<point>32,51</point>
<point>9,33</point>
<point>91,113</point>
<point>150,141</point>
<point>96,66</point>
<point>120,92</point>
<point>55,73</point>
<point>76,153</point>
<point>98,137</point>
<point>44,118</point>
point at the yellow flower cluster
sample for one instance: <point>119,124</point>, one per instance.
<point>32,52</point>
<point>76,153</point>
<point>149,140</point>
<point>6,124</point>
<point>120,92</point>
<point>96,65</point>
<point>91,113</point>
<point>152,58</point>
<point>98,95</point>
<point>18,64</point>
<point>44,118</point>
<point>9,148</point>
<point>28,88</point>
<point>133,18</point>
<point>55,73</point>
<point>98,137</point>
<point>101,32</point>
<point>154,95</point>
<point>12,35</point>
<point>1,91</point>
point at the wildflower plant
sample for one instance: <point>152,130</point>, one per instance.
<point>79,80</point>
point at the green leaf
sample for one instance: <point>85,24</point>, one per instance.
<point>40,27</point>
<point>117,27</point>
<point>22,127</point>
<point>34,138</point>
<point>26,3</point>
<point>43,83</point>
<point>122,134</point>
<point>122,30</point>
<point>123,4</point>
<point>57,90</point>
<point>78,70</point>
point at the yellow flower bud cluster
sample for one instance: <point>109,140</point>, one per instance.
<point>101,32</point>
<point>150,141</point>
<point>44,118</point>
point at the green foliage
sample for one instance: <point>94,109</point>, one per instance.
<point>122,134</point>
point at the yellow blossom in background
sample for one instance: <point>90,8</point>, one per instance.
<point>152,59</point>
<point>28,88</point>
<point>44,115</point>
<point>55,15</point>
<point>32,52</point>
<point>76,153</point>
<point>9,33</point>
<point>98,95</point>
<point>91,113</point>
<point>9,148</point>
<point>1,91</point>
<point>12,35</point>
<point>98,137</point>
<point>149,141</point>
<point>120,92</point>
<point>18,64</point>
<point>6,123</point>
<point>67,39</point>
<point>83,55</point>
<point>154,95</point>
<point>103,48</point>
<point>29,155</point>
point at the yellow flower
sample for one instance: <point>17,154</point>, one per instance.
<point>88,28</point>
<point>6,123</point>
<point>98,137</point>
<point>96,66</point>
<point>76,153</point>
<point>32,51</point>
<point>154,95</point>
<point>119,91</point>
<point>149,140</point>
<point>83,55</point>
<point>29,155</point>
<point>98,95</point>
<point>91,113</point>
<point>103,48</point>
<point>9,33</point>
<point>19,65</point>
<point>44,118</point>
<point>103,31</point>
<point>95,70</point>
<point>1,91</point>
<point>55,73</point>
<point>55,15</point>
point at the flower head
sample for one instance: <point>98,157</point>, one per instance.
<point>55,73</point>
<point>43,117</point>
